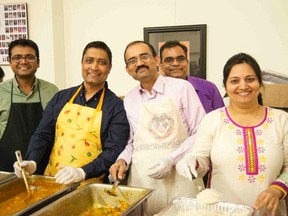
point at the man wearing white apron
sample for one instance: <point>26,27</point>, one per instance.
<point>163,113</point>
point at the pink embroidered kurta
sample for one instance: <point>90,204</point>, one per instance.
<point>245,160</point>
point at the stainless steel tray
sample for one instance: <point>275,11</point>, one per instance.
<point>15,200</point>
<point>6,176</point>
<point>95,196</point>
<point>185,205</point>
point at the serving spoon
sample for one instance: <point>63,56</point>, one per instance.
<point>115,197</point>
<point>19,159</point>
<point>199,187</point>
<point>115,185</point>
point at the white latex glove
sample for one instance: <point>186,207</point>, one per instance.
<point>68,175</point>
<point>28,166</point>
<point>161,168</point>
<point>187,167</point>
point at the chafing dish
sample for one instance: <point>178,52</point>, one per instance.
<point>94,198</point>
<point>6,176</point>
<point>15,200</point>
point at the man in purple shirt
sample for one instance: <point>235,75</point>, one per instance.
<point>174,63</point>
<point>207,91</point>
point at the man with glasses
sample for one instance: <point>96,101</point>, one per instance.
<point>22,101</point>
<point>174,63</point>
<point>163,113</point>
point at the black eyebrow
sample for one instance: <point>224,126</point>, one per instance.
<point>101,59</point>
<point>176,56</point>
<point>90,57</point>
<point>24,55</point>
<point>144,54</point>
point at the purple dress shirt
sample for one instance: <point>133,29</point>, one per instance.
<point>207,92</point>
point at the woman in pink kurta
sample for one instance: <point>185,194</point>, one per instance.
<point>245,144</point>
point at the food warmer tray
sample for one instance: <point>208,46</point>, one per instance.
<point>6,176</point>
<point>16,201</point>
<point>95,196</point>
<point>184,205</point>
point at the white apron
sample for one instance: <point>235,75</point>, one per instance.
<point>160,131</point>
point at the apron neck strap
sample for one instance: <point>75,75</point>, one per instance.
<point>76,93</point>
<point>12,92</point>
<point>99,106</point>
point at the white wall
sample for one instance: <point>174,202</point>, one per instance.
<point>40,28</point>
<point>253,26</point>
<point>258,27</point>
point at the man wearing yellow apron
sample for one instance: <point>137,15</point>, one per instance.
<point>84,128</point>
<point>164,114</point>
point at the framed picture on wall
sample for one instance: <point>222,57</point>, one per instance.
<point>192,36</point>
<point>13,26</point>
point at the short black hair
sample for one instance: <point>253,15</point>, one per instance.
<point>98,45</point>
<point>139,42</point>
<point>170,44</point>
<point>24,43</point>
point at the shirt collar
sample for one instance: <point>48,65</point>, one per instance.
<point>193,81</point>
<point>96,95</point>
<point>158,86</point>
<point>15,83</point>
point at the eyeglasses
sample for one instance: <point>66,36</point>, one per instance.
<point>179,59</point>
<point>27,58</point>
<point>142,57</point>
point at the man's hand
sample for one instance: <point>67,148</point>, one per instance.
<point>118,169</point>
<point>161,168</point>
<point>68,175</point>
<point>187,167</point>
<point>28,166</point>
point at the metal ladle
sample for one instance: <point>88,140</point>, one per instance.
<point>115,197</point>
<point>194,180</point>
<point>112,191</point>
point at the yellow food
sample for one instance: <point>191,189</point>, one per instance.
<point>23,199</point>
<point>107,211</point>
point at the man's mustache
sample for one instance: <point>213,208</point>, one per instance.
<point>141,66</point>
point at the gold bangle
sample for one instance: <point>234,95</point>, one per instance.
<point>281,189</point>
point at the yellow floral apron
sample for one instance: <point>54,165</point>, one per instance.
<point>77,138</point>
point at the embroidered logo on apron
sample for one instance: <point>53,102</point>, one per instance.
<point>160,127</point>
